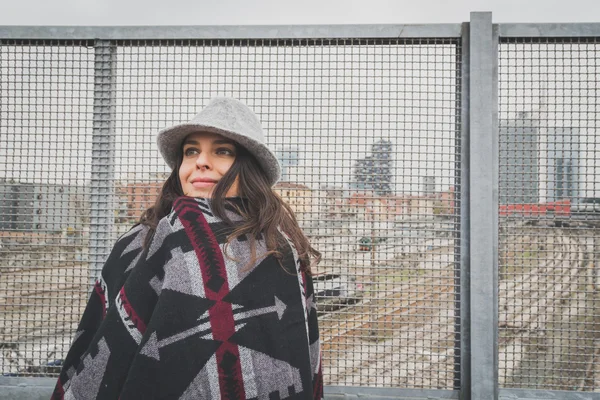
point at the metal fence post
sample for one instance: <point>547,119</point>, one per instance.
<point>483,154</point>
<point>103,155</point>
<point>462,375</point>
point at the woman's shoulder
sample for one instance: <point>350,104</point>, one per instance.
<point>127,250</point>
<point>132,240</point>
<point>137,230</point>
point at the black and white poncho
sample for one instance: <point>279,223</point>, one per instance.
<point>183,321</point>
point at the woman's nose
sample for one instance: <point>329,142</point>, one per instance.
<point>203,161</point>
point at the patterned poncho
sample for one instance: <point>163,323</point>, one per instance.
<point>190,319</point>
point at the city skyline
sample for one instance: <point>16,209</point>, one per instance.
<point>331,101</point>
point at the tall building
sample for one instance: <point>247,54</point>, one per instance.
<point>538,164</point>
<point>374,172</point>
<point>562,165</point>
<point>519,151</point>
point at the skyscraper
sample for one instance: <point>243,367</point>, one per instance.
<point>519,152</point>
<point>563,164</point>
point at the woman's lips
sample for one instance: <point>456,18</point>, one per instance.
<point>203,183</point>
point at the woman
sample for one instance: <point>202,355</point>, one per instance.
<point>210,295</point>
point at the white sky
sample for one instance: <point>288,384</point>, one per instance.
<point>276,12</point>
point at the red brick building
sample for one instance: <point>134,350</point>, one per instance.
<point>135,198</point>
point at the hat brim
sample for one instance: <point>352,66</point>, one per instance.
<point>169,142</point>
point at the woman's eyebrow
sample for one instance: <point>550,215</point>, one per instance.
<point>217,141</point>
<point>224,141</point>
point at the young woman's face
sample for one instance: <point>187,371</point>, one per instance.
<point>206,158</point>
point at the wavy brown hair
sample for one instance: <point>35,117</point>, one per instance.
<point>263,211</point>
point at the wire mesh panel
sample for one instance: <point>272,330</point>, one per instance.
<point>45,144</point>
<point>549,306</point>
<point>368,134</point>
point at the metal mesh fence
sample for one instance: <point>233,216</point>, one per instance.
<point>45,125</point>
<point>368,134</point>
<point>549,308</point>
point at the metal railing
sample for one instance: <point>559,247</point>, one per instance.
<point>446,172</point>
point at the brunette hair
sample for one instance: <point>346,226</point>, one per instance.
<point>263,212</point>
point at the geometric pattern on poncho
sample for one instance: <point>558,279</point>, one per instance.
<point>186,319</point>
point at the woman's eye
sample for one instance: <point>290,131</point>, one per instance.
<point>225,151</point>
<point>191,152</point>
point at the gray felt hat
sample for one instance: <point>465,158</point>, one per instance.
<point>230,118</point>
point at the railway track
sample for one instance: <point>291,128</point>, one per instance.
<point>41,302</point>
<point>402,332</point>
<point>547,324</point>
<point>409,338</point>
<point>411,311</point>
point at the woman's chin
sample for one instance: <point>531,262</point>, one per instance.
<point>205,194</point>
